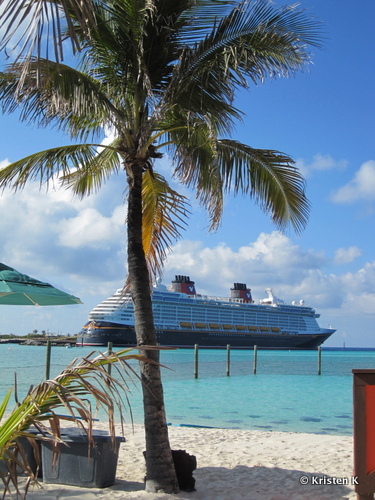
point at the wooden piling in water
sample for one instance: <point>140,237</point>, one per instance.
<point>255,359</point>
<point>319,360</point>
<point>228,360</point>
<point>196,348</point>
<point>48,359</point>
<point>109,352</point>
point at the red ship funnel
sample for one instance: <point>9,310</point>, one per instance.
<point>182,284</point>
<point>240,291</point>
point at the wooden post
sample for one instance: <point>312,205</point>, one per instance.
<point>255,359</point>
<point>364,433</point>
<point>109,352</point>
<point>228,360</point>
<point>48,359</point>
<point>196,348</point>
<point>319,360</point>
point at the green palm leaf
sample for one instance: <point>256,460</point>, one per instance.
<point>215,167</point>
<point>255,40</point>
<point>269,177</point>
<point>57,94</point>
<point>46,165</point>
<point>42,21</point>
<point>90,175</point>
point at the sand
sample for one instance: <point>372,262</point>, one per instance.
<point>231,465</point>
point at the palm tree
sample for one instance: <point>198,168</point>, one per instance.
<point>162,75</point>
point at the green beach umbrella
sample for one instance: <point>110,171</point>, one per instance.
<point>20,290</point>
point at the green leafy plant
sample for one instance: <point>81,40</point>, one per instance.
<point>80,390</point>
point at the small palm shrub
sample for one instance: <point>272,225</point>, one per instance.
<point>86,385</point>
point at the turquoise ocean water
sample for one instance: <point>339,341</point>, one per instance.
<point>286,394</point>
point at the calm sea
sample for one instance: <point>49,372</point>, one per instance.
<point>286,394</point>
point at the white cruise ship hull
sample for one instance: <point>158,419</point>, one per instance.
<point>183,319</point>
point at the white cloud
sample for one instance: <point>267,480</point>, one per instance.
<point>320,163</point>
<point>361,304</point>
<point>359,290</point>
<point>4,163</point>
<point>274,261</point>
<point>89,228</point>
<point>360,188</point>
<point>62,236</point>
<point>346,255</point>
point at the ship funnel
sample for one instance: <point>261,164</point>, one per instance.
<point>240,291</point>
<point>182,284</point>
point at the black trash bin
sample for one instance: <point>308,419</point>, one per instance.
<point>76,466</point>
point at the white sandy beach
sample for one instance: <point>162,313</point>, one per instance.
<point>231,465</point>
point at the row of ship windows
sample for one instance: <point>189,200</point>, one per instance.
<point>200,312</point>
<point>224,318</point>
<point>291,322</point>
<point>258,318</point>
<point>187,314</point>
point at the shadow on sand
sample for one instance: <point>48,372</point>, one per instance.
<point>221,483</point>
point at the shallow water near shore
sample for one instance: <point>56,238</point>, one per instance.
<point>285,394</point>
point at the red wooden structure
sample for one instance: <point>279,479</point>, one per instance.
<point>364,432</point>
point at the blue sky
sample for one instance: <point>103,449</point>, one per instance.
<point>323,118</point>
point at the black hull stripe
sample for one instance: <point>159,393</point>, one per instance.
<point>125,336</point>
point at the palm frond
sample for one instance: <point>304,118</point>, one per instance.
<point>199,94</point>
<point>196,159</point>
<point>256,40</point>
<point>91,174</point>
<point>34,25</point>
<point>47,165</point>
<point>173,25</point>
<point>164,214</point>
<point>73,100</point>
<point>259,40</point>
<point>269,177</point>
<point>197,18</point>
<point>4,403</point>
<point>115,46</point>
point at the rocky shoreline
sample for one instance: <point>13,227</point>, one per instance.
<point>65,342</point>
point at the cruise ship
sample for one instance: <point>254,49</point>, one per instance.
<point>184,318</point>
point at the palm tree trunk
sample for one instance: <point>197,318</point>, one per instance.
<point>160,471</point>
